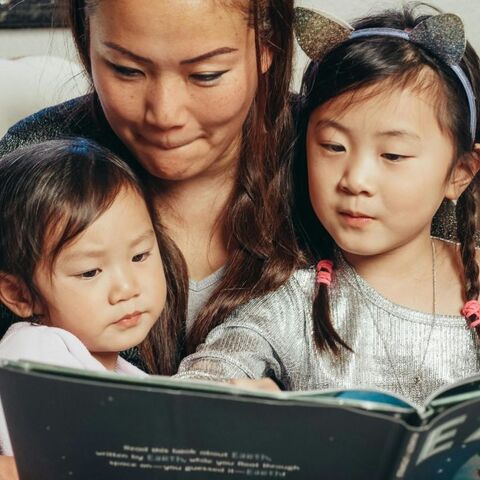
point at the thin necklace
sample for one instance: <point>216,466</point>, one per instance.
<point>417,375</point>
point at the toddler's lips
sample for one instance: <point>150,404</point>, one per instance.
<point>129,320</point>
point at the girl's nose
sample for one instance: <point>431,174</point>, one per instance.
<point>359,176</point>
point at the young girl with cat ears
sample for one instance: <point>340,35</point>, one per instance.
<point>389,135</point>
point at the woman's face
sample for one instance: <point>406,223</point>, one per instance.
<point>176,79</point>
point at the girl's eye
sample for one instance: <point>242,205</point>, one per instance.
<point>333,147</point>
<point>207,77</point>
<point>394,157</point>
<point>89,274</point>
<point>125,71</point>
<point>141,257</point>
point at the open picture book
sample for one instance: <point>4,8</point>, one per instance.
<point>72,424</point>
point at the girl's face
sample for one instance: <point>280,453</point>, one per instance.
<point>176,79</point>
<point>378,168</point>
<point>107,287</point>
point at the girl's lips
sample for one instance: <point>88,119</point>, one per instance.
<point>355,219</point>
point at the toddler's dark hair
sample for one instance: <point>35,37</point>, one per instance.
<point>51,192</point>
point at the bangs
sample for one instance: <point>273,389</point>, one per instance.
<point>423,81</point>
<point>69,219</point>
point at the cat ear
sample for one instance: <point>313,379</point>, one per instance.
<point>443,35</point>
<point>317,33</point>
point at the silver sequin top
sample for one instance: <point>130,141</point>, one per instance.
<point>272,336</point>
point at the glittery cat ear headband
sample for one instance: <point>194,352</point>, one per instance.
<point>443,35</point>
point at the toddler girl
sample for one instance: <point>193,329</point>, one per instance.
<point>81,261</point>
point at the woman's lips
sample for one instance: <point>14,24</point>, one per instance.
<point>165,144</point>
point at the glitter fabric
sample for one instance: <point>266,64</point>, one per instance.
<point>273,336</point>
<point>442,34</point>
<point>70,119</point>
<point>318,33</point>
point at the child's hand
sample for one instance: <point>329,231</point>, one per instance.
<point>266,384</point>
<point>8,468</point>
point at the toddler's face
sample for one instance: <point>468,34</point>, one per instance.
<point>107,287</point>
<point>378,168</point>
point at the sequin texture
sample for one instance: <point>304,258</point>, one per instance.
<point>318,33</point>
<point>273,336</point>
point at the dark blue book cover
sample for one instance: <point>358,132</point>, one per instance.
<point>67,424</point>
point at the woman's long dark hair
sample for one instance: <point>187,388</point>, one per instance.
<point>63,186</point>
<point>259,233</point>
<point>387,63</point>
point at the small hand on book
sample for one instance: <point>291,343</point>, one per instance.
<point>266,384</point>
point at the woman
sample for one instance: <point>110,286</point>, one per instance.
<point>194,95</point>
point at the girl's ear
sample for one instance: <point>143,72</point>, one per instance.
<point>15,295</point>
<point>463,173</point>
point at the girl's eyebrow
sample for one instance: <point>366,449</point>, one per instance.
<point>138,58</point>
<point>399,133</point>
<point>327,123</point>
<point>147,235</point>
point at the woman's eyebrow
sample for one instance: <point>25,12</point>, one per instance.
<point>199,58</point>
<point>128,53</point>
<point>206,56</point>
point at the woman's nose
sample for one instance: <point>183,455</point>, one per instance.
<point>166,104</point>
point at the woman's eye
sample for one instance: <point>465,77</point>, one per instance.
<point>89,273</point>
<point>333,147</point>
<point>394,157</point>
<point>209,77</point>
<point>141,257</point>
<point>125,71</point>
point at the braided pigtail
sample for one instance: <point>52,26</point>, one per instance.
<point>466,229</point>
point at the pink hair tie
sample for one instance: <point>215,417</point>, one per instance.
<point>324,272</point>
<point>472,309</point>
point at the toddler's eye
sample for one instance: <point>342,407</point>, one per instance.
<point>89,274</point>
<point>141,257</point>
<point>394,157</point>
